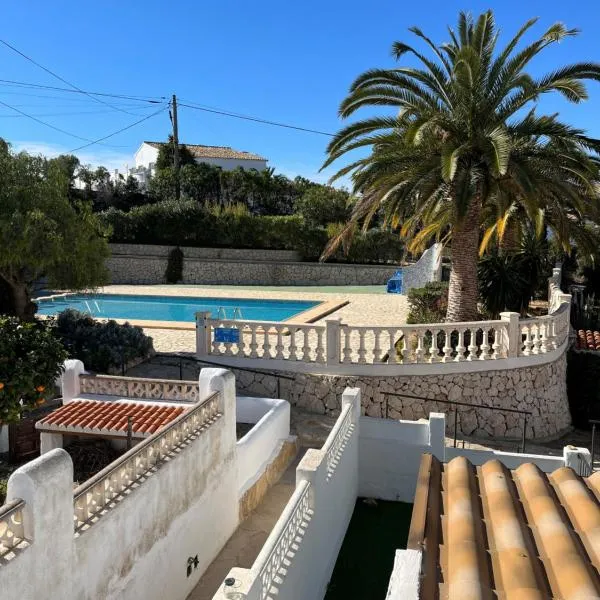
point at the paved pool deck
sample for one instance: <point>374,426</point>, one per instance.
<point>363,307</point>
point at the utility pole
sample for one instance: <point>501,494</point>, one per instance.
<point>175,146</point>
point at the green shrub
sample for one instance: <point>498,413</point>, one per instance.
<point>429,303</point>
<point>583,373</point>
<point>321,205</point>
<point>188,223</point>
<point>101,347</point>
<point>174,270</point>
<point>31,359</point>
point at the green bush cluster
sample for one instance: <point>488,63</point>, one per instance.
<point>428,304</point>
<point>31,359</point>
<point>101,347</point>
<point>188,223</point>
<point>583,373</point>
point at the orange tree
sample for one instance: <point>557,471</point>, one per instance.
<point>31,358</point>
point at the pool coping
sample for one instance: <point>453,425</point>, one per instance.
<point>310,315</point>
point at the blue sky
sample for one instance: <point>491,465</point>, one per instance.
<point>284,61</point>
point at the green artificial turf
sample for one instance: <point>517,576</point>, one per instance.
<point>366,559</point>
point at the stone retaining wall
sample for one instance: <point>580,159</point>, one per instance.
<point>539,389</point>
<point>147,250</point>
<point>133,265</point>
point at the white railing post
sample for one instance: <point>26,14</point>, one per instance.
<point>511,336</point>
<point>202,334</point>
<point>332,341</point>
<point>70,385</point>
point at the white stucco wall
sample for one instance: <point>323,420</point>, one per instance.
<point>146,154</point>
<point>260,446</point>
<point>140,546</point>
<point>390,455</point>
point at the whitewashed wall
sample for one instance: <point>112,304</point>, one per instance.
<point>298,558</point>
<point>140,547</point>
<point>261,445</point>
<point>390,455</point>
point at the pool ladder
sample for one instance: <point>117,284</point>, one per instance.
<point>222,314</point>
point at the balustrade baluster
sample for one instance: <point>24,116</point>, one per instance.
<point>253,342</point>
<point>362,352</point>
<point>392,354</point>
<point>460,347</point>
<point>473,347</point>
<point>320,354</point>
<point>265,343</point>
<point>305,345</point>
<point>544,337</point>
<point>279,344</point>
<point>347,351</point>
<point>418,353</point>
<point>528,344</point>
<point>377,346</point>
<point>293,346</point>
<point>447,345</point>
<point>486,346</point>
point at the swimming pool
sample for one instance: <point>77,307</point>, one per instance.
<point>174,308</point>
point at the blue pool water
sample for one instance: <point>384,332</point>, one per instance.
<point>173,308</point>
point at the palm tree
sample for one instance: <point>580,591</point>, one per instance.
<point>467,144</point>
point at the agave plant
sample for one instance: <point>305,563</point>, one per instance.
<point>467,145</point>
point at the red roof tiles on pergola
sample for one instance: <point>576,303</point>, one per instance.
<point>97,417</point>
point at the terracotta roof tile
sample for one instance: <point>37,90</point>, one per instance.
<point>487,532</point>
<point>588,340</point>
<point>97,416</point>
<point>201,151</point>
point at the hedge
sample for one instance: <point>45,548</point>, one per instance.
<point>103,347</point>
<point>583,373</point>
<point>188,223</point>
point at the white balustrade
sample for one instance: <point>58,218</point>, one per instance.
<point>110,484</point>
<point>286,535</point>
<point>267,340</point>
<point>11,526</point>
<point>132,387</point>
<point>334,446</point>
<point>337,344</point>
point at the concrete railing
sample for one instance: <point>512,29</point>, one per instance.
<point>107,486</point>
<point>12,532</point>
<point>342,349</point>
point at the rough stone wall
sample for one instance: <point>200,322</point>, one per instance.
<point>151,270</point>
<point>540,389</point>
<point>137,264</point>
<point>222,253</point>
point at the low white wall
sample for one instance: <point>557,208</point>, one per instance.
<point>390,455</point>
<point>139,547</point>
<point>298,557</point>
<point>259,447</point>
<point>406,576</point>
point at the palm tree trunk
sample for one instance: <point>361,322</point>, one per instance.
<point>509,243</point>
<point>463,289</point>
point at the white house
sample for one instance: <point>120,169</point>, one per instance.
<point>219,156</point>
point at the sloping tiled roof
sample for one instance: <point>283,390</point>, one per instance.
<point>487,532</point>
<point>588,340</point>
<point>200,151</point>
<point>109,417</point>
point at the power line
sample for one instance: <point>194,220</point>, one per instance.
<point>46,124</point>
<point>63,114</point>
<point>37,64</point>
<point>98,141</point>
<point>25,84</point>
<point>255,119</point>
